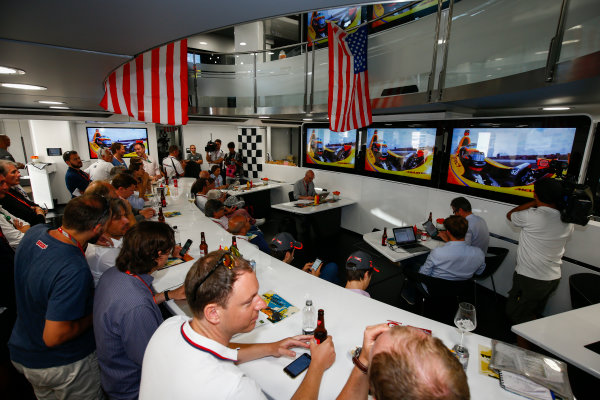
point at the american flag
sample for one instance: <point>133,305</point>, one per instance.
<point>349,103</point>
<point>153,87</point>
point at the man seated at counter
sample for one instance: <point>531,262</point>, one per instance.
<point>126,312</point>
<point>215,173</point>
<point>478,234</point>
<point>75,179</point>
<point>359,271</point>
<point>283,245</point>
<point>405,362</point>
<point>126,185</point>
<point>304,189</point>
<point>13,228</point>
<point>222,293</point>
<point>240,226</point>
<point>15,200</point>
<point>215,210</point>
<point>199,189</point>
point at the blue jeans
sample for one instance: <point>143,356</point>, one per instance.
<point>329,272</point>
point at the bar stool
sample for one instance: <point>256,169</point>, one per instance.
<point>492,263</point>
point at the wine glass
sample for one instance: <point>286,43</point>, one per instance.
<point>465,319</point>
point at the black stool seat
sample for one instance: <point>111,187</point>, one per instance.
<point>584,289</point>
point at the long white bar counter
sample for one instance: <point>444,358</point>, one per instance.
<point>346,313</point>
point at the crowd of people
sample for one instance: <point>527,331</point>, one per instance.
<point>84,321</point>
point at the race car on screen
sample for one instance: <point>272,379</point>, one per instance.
<point>101,140</point>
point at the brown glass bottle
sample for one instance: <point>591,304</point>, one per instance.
<point>163,200</point>
<point>161,216</point>
<point>384,237</point>
<point>320,331</point>
<point>430,219</point>
<point>234,249</point>
<point>203,246</point>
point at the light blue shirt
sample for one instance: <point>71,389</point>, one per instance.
<point>136,202</point>
<point>218,180</point>
<point>454,261</point>
<point>478,234</point>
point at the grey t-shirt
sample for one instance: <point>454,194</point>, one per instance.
<point>195,157</point>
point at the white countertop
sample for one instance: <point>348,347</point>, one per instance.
<point>566,334</point>
<point>259,186</point>
<point>296,286</point>
<point>374,240</point>
<point>290,206</point>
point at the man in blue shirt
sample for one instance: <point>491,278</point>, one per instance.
<point>478,234</point>
<point>52,343</point>
<point>77,180</point>
<point>456,260</point>
<point>126,312</point>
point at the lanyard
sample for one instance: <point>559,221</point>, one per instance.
<point>75,242</point>
<point>306,188</point>
<point>83,174</point>
<point>18,199</point>
<point>145,284</point>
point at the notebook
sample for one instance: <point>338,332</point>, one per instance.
<point>405,239</point>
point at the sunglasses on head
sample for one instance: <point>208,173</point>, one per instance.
<point>226,260</point>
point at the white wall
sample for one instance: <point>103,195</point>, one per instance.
<point>199,134</point>
<point>16,129</point>
<point>382,203</point>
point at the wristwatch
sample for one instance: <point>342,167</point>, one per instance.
<point>166,293</point>
<point>363,368</point>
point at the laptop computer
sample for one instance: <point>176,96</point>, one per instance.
<point>407,241</point>
<point>323,196</point>
<point>432,231</point>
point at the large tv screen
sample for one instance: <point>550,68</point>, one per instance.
<point>407,152</point>
<point>508,160</point>
<point>105,137</point>
<point>403,11</point>
<point>327,148</point>
<point>345,18</point>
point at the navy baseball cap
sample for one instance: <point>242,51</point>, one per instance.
<point>359,260</point>
<point>285,241</point>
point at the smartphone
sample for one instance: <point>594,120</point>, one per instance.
<point>297,366</point>
<point>316,264</point>
<point>185,248</point>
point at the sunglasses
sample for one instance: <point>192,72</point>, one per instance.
<point>226,260</point>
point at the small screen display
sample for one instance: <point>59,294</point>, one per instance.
<point>404,235</point>
<point>325,147</point>
<point>508,160</point>
<point>401,151</point>
<point>345,18</point>
<point>105,137</point>
<point>296,367</point>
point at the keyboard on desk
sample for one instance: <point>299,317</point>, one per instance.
<point>414,248</point>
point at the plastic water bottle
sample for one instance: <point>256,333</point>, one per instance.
<point>177,236</point>
<point>309,318</point>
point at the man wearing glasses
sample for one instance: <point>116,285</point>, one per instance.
<point>478,234</point>
<point>222,292</point>
<point>52,342</point>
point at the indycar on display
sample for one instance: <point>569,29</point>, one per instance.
<point>512,174</point>
<point>339,154</point>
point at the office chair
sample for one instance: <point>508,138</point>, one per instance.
<point>291,196</point>
<point>494,258</point>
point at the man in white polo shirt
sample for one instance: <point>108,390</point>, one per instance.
<point>150,165</point>
<point>188,359</point>
<point>541,246</point>
<point>100,170</point>
<point>171,164</point>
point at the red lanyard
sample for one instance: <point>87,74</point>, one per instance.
<point>145,284</point>
<point>83,174</point>
<point>75,242</point>
<point>306,188</point>
<point>18,199</point>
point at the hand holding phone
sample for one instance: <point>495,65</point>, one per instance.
<point>185,248</point>
<point>316,264</point>
<point>297,366</point>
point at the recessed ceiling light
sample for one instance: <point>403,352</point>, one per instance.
<point>270,53</point>
<point>571,41</point>
<point>263,116</point>
<point>243,43</point>
<point>49,102</point>
<point>23,86</point>
<point>306,119</point>
<point>203,43</point>
<point>556,108</point>
<point>11,71</point>
<point>59,107</point>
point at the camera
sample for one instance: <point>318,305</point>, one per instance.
<point>210,146</point>
<point>577,201</point>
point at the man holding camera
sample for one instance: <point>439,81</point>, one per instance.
<point>541,246</point>
<point>216,155</point>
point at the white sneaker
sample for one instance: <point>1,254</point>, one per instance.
<point>260,221</point>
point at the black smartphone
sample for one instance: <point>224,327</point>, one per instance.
<point>297,366</point>
<point>185,248</point>
<point>316,264</point>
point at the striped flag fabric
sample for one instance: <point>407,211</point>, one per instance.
<point>152,88</point>
<point>349,104</point>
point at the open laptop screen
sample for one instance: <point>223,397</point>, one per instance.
<point>404,235</point>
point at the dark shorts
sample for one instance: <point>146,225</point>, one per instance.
<point>528,297</point>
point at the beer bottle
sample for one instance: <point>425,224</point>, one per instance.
<point>320,331</point>
<point>203,246</point>
<point>161,216</point>
<point>430,219</point>
<point>234,249</point>
<point>384,237</point>
<point>163,200</point>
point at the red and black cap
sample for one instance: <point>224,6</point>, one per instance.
<point>285,241</point>
<point>359,260</point>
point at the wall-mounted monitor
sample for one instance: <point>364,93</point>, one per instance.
<point>503,158</point>
<point>401,12</point>
<point>105,137</point>
<point>329,150</point>
<point>345,18</point>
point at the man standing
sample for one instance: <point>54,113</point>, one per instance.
<point>171,164</point>
<point>118,151</point>
<point>541,246</point>
<point>478,234</point>
<point>4,154</point>
<point>52,343</point>
<point>77,180</point>
<point>16,200</point>
<point>234,165</point>
<point>304,189</point>
<point>217,156</point>
<point>150,164</point>
<point>405,362</point>
<point>193,156</point>
<point>222,292</point>
<point>100,170</point>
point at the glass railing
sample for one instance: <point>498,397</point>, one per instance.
<point>469,41</point>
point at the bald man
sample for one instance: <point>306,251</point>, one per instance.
<point>304,189</point>
<point>4,154</point>
<point>405,362</point>
<point>240,226</point>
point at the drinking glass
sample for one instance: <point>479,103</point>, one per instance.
<point>465,319</point>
